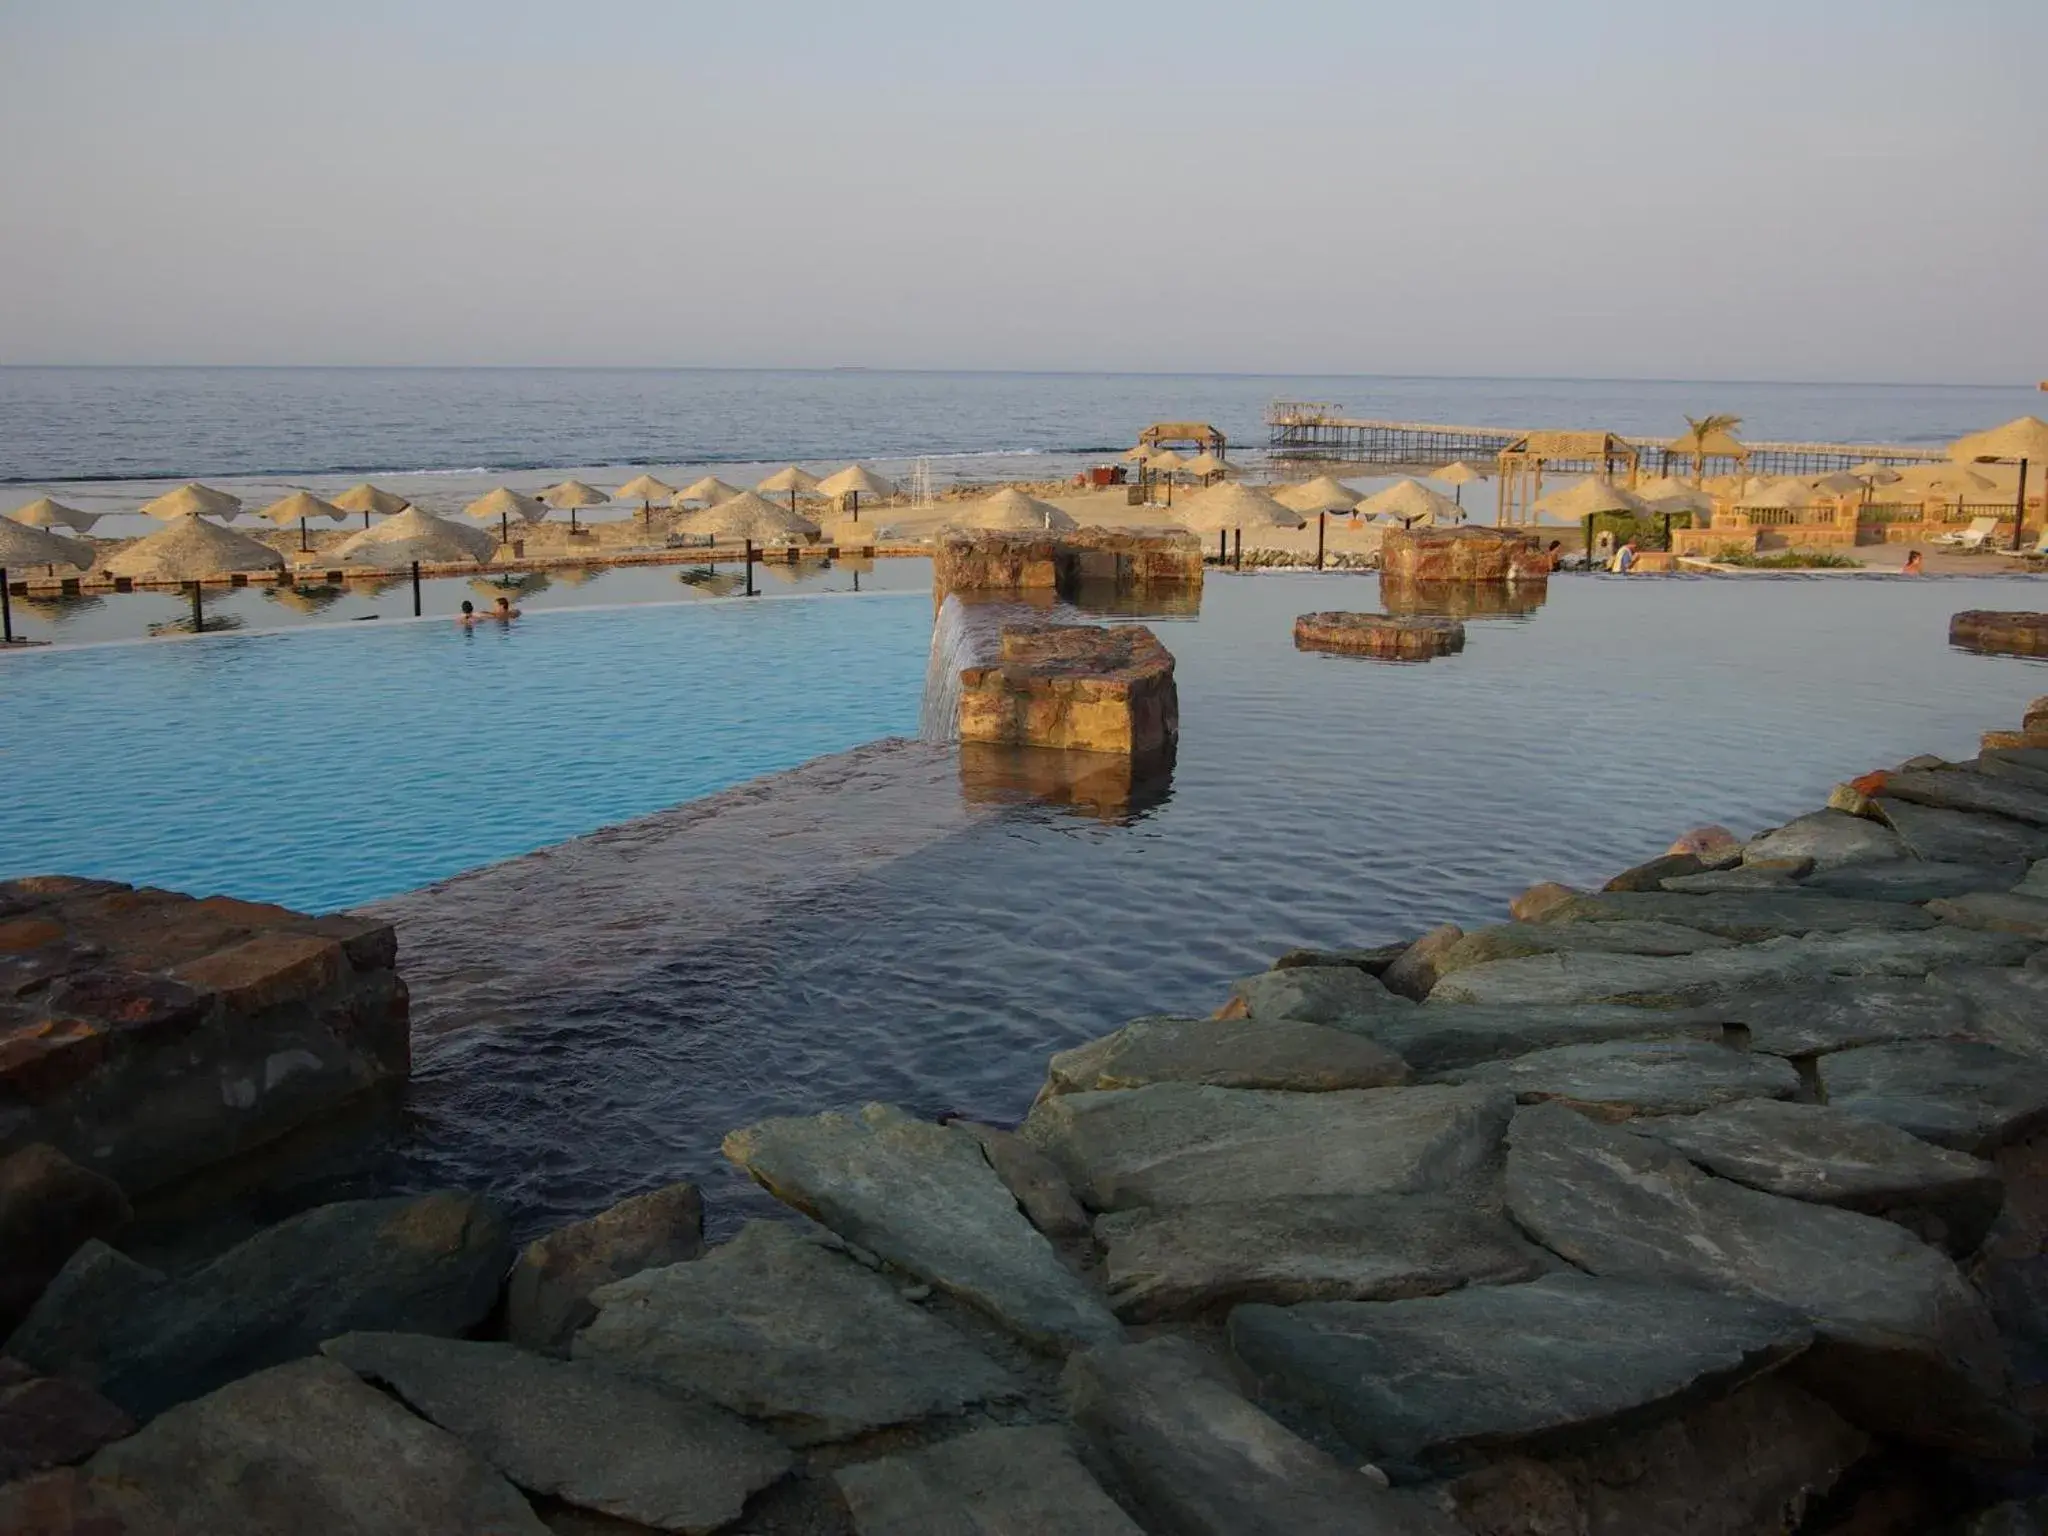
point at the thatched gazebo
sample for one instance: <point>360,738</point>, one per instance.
<point>504,505</point>
<point>367,498</point>
<point>571,496</point>
<point>1011,510</point>
<point>852,483</point>
<point>1524,461</point>
<point>45,513</point>
<point>192,500</point>
<point>415,535</point>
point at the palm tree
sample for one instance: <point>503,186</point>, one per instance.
<point>1699,431</point>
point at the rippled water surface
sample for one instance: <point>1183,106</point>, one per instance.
<point>892,925</point>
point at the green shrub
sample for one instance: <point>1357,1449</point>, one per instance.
<point>1787,560</point>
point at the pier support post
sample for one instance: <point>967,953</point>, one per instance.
<point>415,589</point>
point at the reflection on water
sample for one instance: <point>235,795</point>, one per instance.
<point>317,599</point>
<point>1175,600</point>
<point>513,584</point>
<point>709,579</point>
<point>57,610</point>
<point>211,616</point>
<point>1107,786</point>
<point>1463,599</point>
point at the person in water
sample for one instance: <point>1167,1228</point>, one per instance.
<point>1913,565</point>
<point>505,613</point>
<point>467,618</point>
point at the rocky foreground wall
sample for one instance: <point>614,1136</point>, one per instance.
<point>1707,1203</point>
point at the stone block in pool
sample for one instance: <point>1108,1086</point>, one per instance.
<point>1378,634</point>
<point>1999,634</point>
<point>1108,786</point>
<point>1074,687</point>
<point>147,1034</point>
<point>1462,554</point>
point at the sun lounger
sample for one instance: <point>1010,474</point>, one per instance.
<point>2038,550</point>
<point>1972,537</point>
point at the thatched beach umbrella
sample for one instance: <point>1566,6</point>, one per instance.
<point>413,535</point>
<point>297,508</point>
<point>571,495</point>
<point>646,490</point>
<point>855,481</point>
<point>1208,466</point>
<point>747,516</point>
<point>22,546</point>
<point>505,505</point>
<point>1707,437</point>
<point>1011,509</point>
<point>45,513</point>
<point>1591,497</point>
<point>1231,505</point>
<point>2025,439</point>
<point>1460,473</point>
<point>367,498</point>
<point>193,550</point>
<point>1839,483</point>
<point>1162,464</point>
<point>791,481</point>
<point>1668,493</point>
<point>1409,502</point>
<point>1322,494</point>
<point>1873,472</point>
<point>193,500</point>
<point>710,491</point>
<point>1140,454</point>
<point>1786,495</point>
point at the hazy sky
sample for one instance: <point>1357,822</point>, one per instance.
<point>1802,189</point>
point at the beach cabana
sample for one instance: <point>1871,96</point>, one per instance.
<point>791,482</point>
<point>854,482</point>
<point>1460,473</point>
<point>748,516</point>
<point>367,498</point>
<point>45,513</point>
<point>190,549</point>
<point>298,508</point>
<point>412,535</point>
<point>505,505</point>
<point>23,547</point>
<point>192,500</point>
<point>1409,502</point>
<point>1322,494</point>
<point>646,490</point>
<point>1011,509</point>
<point>710,491</point>
<point>572,495</point>
<point>2024,440</point>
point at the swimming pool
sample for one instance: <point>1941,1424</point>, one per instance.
<point>329,766</point>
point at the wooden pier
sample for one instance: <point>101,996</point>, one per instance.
<point>1308,430</point>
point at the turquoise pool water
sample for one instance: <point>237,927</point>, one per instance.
<point>334,765</point>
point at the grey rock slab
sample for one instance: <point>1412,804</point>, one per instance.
<point>1447,1036</point>
<point>1314,994</point>
<point>1039,1188</point>
<point>776,1328</point>
<point>1904,1345</point>
<point>1996,912</point>
<point>1832,839</point>
<point>924,1198</point>
<point>589,1437</point>
<point>1199,1259</point>
<point>1179,1144</point>
<point>1744,916</point>
<point>2007,1005</point>
<point>548,1297</point>
<point>1910,880</point>
<point>1962,837</point>
<point>1652,873</point>
<point>1372,961</point>
<point>1835,1014</point>
<point>1510,941</point>
<point>1622,1078</point>
<point>1976,793</point>
<point>1226,1053</point>
<point>430,1264</point>
<point>1747,877</point>
<point>998,1481</point>
<point>1202,1461</point>
<point>1825,1154</point>
<point>302,1447</point>
<point>49,1207</point>
<point>1968,1095</point>
<point>1671,981</point>
<point>1428,1386</point>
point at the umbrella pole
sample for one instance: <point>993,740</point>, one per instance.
<point>856,506</point>
<point>1322,523</point>
<point>198,618</point>
<point>504,528</point>
<point>1589,541</point>
<point>366,517</point>
<point>415,589</point>
<point>305,545</point>
<point>2019,509</point>
<point>6,610</point>
<point>1237,546</point>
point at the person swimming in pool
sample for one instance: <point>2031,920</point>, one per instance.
<point>504,613</point>
<point>468,617</point>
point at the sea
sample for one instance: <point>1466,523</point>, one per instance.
<point>106,439</point>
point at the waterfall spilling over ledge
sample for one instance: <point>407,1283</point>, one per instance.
<point>964,635</point>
